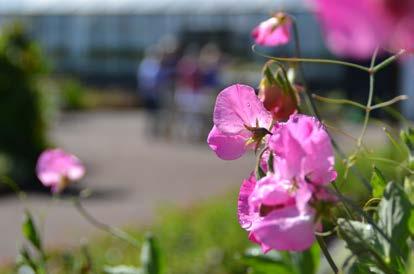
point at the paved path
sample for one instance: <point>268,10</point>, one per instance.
<point>131,175</point>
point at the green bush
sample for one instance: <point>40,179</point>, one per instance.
<point>72,94</point>
<point>22,125</point>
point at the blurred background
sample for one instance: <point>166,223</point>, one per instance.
<point>129,86</point>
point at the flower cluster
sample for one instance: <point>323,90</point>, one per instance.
<point>277,205</point>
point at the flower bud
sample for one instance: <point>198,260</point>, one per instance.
<point>278,95</point>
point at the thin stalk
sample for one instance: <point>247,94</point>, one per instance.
<point>393,141</point>
<point>338,101</point>
<point>104,227</point>
<point>388,61</point>
<point>389,161</point>
<point>370,97</point>
<point>312,60</point>
<point>390,102</point>
<point>311,102</point>
<point>326,253</point>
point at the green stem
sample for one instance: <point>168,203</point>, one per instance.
<point>102,226</point>
<point>388,61</point>
<point>338,101</point>
<point>370,97</point>
<point>326,253</point>
<point>311,60</point>
<point>390,102</point>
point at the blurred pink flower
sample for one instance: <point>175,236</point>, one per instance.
<point>304,150</point>
<point>274,31</point>
<point>355,28</point>
<point>57,168</point>
<point>239,117</point>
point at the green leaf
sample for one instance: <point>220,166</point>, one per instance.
<point>122,269</point>
<point>357,268</point>
<point>407,136</point>
<point>270,162</point>
<point>306,262</point>
<point>411,223</point>
<point>24,258</point>
<point>409,188</point>
<point>360,239</point>
<point>271,262</point>
<point>394,212</point>
<point>150,256</point>
<point>30,231</point>
<point>378,183</point>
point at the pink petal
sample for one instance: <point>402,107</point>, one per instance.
<point>245,214</point>
<point>271,191</point>
<point>237,107</point>
<point>353,28</point>
<point>288,150</point>
<point>227,147</point>
<point>55,165</point>
<point>269,33</point>
<point>286,229</point>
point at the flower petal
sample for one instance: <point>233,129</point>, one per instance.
<point>226,147</point>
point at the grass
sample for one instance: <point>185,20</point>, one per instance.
<point>204,239</point>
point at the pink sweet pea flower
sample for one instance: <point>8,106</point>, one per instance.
<point>239,120</point>
<point>286,229</point>
<point>274,31</point>
<point>303,150</point>
<point>269,211</point>
<point>355,28</point>
<point>57,168</point>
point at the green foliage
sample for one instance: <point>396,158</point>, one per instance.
<point>72,94</point>
<point>22,125</point>
<point>378,183</point>
<point>30,231</point>
<point>31,262</point>
<point>123,269</point>
<point>306,262</point>
<point>150,256</point>
<point>381,246</point>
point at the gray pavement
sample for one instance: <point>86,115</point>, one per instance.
<point>131,176</point>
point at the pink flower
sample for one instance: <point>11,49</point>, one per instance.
<point>274,31</point>
<point>57,168</point>
<point>355,28</point>
<point>269,210</point>
<point>239,120</point>
<point>303,150</point>
<point>227,147</point>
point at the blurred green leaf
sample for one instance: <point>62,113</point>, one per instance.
<point>409,188</point>
<point>378,183</point>
<point>24,258</point>
<point>271,262</point>
<point>394,212</point>
<point>150,256</point>
<point>411,222</point>
<point>407,136</point>
<point>357,268</point>
<point>122,269</point>
<point>306,262</point>
<point>30,231</point>
<point>360,239</point>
